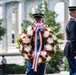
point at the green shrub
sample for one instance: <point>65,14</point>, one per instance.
<point>15,69</point>
<point>49,69</point>
<point>66,65</point>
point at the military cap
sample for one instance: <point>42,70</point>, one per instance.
<point>38,15</point>
<point>72,5</point>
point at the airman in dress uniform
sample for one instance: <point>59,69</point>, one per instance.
<point>41,66</point>
<point>70,47</point>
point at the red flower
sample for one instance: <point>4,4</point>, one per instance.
<point>46,55</point>
<point>24,36</point>
<point>48,51</point>
<point>52,52</point>
<point>42,32</point>
<point>23,51</point>
<point>29,56</point>
<point>45,29</point>
<point>27,44</point>
<point>34,32</point>
<point>43,59</point>
<point>32,28</point>
<point>30,52</point>
<point>52,44</point>
<point>29,37</point>
<point>20,40</point>
<point>50,31</point>
<point>23,44</point>
<point>32,59</point>
<point>50,35</point>
<point>25,32</point>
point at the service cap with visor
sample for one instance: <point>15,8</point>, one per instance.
<point>72,5</point>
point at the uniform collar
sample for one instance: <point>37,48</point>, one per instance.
<point>73,18</point>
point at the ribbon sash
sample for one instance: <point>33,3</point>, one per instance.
<point>37,50</point>
<point>38,27</point>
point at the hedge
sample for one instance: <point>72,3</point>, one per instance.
<point>15,69</point>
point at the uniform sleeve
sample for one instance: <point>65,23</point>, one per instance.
<point>73,31</point>
<point>73,35</point>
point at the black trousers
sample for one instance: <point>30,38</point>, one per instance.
<point>3,69</point>
<point>41,69</point>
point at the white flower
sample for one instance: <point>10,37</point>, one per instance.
<point>26,56</point>
<point>26,40</point>
<point>39,60</point>
<point>46,33</point>
<point>20,48</point>
<point>43,53</point>
<point>27,48</point>
<point>50,40</point>
<point>29,28</point>
<point>30,32</point>
<point>48,47</point>
<point>54,37</point>
<point>48,58</point>
<point>48,29</point>
<point>23,35</point>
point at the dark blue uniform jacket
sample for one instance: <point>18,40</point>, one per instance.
<point>70,47</point>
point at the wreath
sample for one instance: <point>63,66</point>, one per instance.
<point>26,42</point>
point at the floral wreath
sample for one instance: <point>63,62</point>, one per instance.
<point>36,44</point>
<point>25,44</point>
